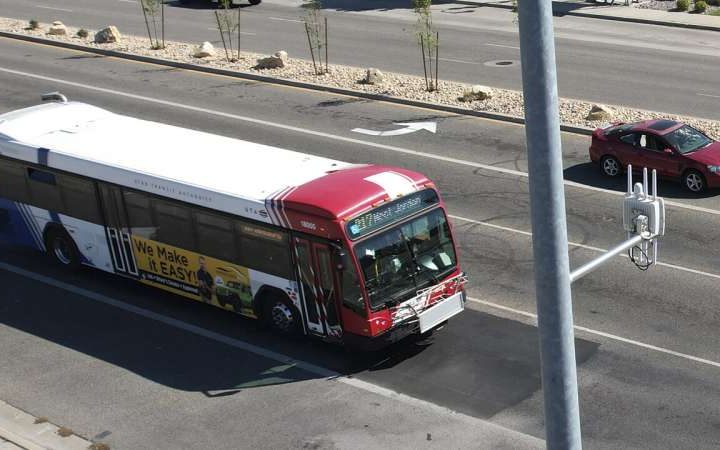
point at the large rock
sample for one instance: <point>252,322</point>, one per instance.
<point>374,76</point>
<point>600,112</point>
<point>107,35</point>
<point>476,92</point>
<point>57,28</point>
<point>276,61</point>
<point>204,50</point>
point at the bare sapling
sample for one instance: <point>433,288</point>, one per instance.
<point>316,29</point>
<point>428,39</point>
<point>228,24</point>
<point>154,15</point>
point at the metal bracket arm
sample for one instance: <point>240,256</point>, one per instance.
<point>595,263</point>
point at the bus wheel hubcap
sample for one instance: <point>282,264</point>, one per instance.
<point>282,316</point>
<point>61,251</point>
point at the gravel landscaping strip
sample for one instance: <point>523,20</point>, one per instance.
<point>504,101</point>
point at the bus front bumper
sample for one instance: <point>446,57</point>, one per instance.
<point>432,318</point>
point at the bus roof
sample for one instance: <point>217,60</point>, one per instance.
<point>239,177</point>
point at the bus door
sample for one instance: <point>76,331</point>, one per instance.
<point>117,230</point>
<point>319,287</point>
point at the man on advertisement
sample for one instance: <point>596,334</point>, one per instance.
<point>205,282</point>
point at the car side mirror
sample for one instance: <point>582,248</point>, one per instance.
<point>669,151</point>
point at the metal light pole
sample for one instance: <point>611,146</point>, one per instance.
<point>549,228</point>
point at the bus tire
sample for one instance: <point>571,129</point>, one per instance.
<point>281,315</point>
<point>254,2</point>
<point>61,247</point>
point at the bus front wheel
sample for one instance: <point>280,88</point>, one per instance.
<point>281,315</point>
<point>62,249</point>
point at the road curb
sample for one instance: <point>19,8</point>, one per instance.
<point>599,16</point>
<point>282,81</point>
<point>26,431</point>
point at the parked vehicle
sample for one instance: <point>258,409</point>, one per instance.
<point>676,150</point>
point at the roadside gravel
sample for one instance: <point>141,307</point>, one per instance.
<point>504,101</point>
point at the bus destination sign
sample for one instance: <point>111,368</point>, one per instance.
<point>391,212</point>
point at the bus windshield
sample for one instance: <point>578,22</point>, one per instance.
<point>410,256</point>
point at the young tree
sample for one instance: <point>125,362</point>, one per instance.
<point>316,30</point>
<point>428,39</point>
<point>154,14</point>
<point>228,23</point>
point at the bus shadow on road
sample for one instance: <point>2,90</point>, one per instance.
<point>479,364</point>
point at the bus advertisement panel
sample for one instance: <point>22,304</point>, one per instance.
<point>193,275</point>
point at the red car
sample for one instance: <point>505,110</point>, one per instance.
<point>674,149</point>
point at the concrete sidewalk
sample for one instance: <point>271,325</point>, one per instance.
<point>20,430</point>
<point>619,12</point>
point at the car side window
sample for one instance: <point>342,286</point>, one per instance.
<point>651,142</point>
<point>630,138</point>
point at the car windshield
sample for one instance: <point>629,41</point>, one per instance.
<point>405,258</point>
<point>687,139</point>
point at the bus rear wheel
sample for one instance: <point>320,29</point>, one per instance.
<point>281,315</point>
<point>62,249</point>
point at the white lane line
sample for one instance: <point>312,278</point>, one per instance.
<point>335,137</point>
<point>285,20</point>
<point>584,246</point>
<point>127,1</point>
<point>459,61</point>
<point>708,95</point>
<point>53,8</point>
<point>504,46</point>
<point>251,348</point>
<point>603,334</point>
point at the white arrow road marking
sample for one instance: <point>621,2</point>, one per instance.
<point>409,128</point>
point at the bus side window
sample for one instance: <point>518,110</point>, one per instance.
<point>79,198</point>
<point>44,191</point>
<point>174,224</point>
<point>215,236</point>
<point>351,296</point>
<point>13,185</point>
<point>139,214</point>
<point>264,249</point>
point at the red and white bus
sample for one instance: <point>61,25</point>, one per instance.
<point>358,254</point>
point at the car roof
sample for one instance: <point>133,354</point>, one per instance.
<point>658,126</point>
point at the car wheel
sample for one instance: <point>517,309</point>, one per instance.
<point>693,181</point>
<point>281,315</point>
<point>62,249</point>
<point>610,166</point>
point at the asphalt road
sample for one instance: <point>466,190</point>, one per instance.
<point>645,66</point>
<point>647,346</point>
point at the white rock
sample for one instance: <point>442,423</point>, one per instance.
<point>107,35</point>
<point>276,61</point>
<point>374,76</point>
<point>57,28</point>
<point>600,112</point>
<point>476,92</point>
<point>204,50</point>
